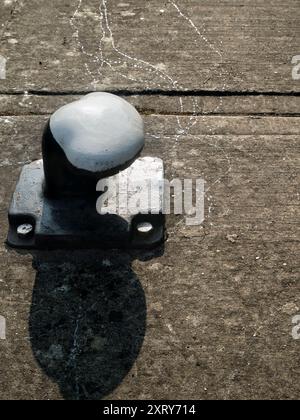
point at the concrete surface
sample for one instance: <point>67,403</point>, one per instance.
<point>209,315</point>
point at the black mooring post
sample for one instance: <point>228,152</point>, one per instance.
<point>54,205</point>
<point>89,140</point>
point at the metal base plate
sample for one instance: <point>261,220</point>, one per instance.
<point>75,223</point>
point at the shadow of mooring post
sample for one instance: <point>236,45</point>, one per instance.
<point>87,320</point>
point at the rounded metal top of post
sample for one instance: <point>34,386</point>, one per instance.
<point>99,133</point>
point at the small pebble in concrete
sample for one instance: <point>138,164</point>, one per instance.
<point>106,263</point>
<point>55,352</point>
<point>232,238</point>
<point>2,328</point>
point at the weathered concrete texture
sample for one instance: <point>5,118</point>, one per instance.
<point>138,45</point>
<point>209,316</point>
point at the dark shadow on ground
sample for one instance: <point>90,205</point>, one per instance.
<point>87,320</point>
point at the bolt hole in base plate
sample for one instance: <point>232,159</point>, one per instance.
<point>37,222</point>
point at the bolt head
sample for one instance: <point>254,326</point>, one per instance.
<point>144,228</point>
<point>24,230</point>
